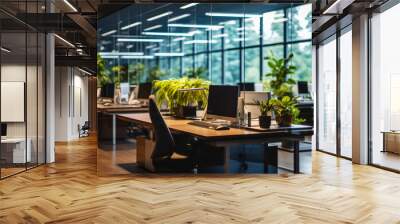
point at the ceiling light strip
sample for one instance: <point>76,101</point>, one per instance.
<point>70,5</point>
<point>108,33</point>
<point>236,15</point>
<point>153,27</point>
<point>64,40</point>
<point>5,49</point>
<point>188,5</point>
<point>131,25</point>
<point>169,54</point>
<point>168,34</point>
<point>159,16</point>
<point>139,40</point>
<point>178,17</point>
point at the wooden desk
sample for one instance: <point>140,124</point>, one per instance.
<point>122,108</point>
<point>228,138</point>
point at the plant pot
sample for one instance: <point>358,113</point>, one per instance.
<point>284,121</point>
<point>264,121</point>
<point>185,111</point>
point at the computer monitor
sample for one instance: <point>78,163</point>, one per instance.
<point>107,90</point>
<point>3,130</point>
<point>246,86</point>
<point>302,88</point>
<point>144,90</point>
<point>222,102</point>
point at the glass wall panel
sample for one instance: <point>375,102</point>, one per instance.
<point>232,67</point>
<point>385,89</point>
<point>302,59</point>
<point>252,64</point>
<point>346,94</point>
<point>327,96</point>
<point>273,27</point>
<point>299,22</point>
<point>216,67</point>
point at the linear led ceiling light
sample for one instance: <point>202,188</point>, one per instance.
<point>129,46</point>
<point>179,39</point>
<point>188,5</point>
<point>138,57</point>
<point>153,27</point>
<point>65,41</point>
<point>121,53</point>
<point>84,71</point>
<point>5,50</point>
<point>168,34</point>
<point>178,17</point>
<point>200,42</point>
<point>108,33</point>
<point>238,15</point>
<point>220,35</point>
<point>213,27</point>
<point>169,54</point>
<point>131,25</point>
<point>109,56</point>
<point>70,5</point>
<point>151,46</point>
<point>139,40</point>
<point>159,16</point>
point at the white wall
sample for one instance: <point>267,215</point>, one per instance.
<point>71,102</point>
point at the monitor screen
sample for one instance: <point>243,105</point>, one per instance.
<point>108,90</point>
<point>3,129</point>
<point>144,90</point>
<point>223,100</point>
<point>246,86</point>
<point>302,87</point>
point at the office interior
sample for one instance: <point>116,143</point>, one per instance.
<point>88,135</point>
<point>218,44</point>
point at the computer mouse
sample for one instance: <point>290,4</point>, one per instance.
<point>222,127</point>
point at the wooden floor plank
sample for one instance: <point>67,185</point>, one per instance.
<point>69,191</point>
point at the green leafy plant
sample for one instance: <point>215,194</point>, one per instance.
<point>266,107</point>
<point>155,73</point>
<point>120,74</point>
<point>103,75</point>
<point>195,73</point>
<point>286,111</point>
<point>181,92</point>
<point>280,75</point>
<point>134,74</point>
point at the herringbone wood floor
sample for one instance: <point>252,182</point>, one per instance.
<point>69,191</point>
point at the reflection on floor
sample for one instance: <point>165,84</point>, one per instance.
<point>121,159</point>
<point>386,159</point>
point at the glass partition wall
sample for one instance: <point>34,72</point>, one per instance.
<point>334,89</point>
<point>229,48</point>
<point>384,90</point>
<point>22,87</point>
<point>222,43</point>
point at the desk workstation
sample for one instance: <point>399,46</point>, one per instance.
<point>219,127</point>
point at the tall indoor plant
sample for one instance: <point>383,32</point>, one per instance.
<point>182,95</point>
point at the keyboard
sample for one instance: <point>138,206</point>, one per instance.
<point>207,124</point>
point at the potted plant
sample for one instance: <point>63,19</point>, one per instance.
<point>266,112</point>
<point>280,76</point>
<point>285,111</point>
<point>103,76</point>
<point>183,95</point>
<point>155,73</point>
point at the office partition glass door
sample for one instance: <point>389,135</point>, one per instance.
<point>326,91</point>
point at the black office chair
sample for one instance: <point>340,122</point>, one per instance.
<point>165,156</point>
<point>84,129</point>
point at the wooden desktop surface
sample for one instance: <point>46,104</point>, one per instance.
<point>181,125</point>
<point>122,108</point>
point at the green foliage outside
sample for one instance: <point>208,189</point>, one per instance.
<point>196,73</point>
<point>103,76</point>
<point>155,73</point>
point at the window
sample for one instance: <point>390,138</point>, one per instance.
<point>327,97</point>
<point>302,59</point>
<point>232,67</point>
<point>346,94</point>
<point>299,23</point>
<point>216,68</point>
<point>251,31</point>
<point>232,30</point>
<point>273,29</point>
<point>252,64</point>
